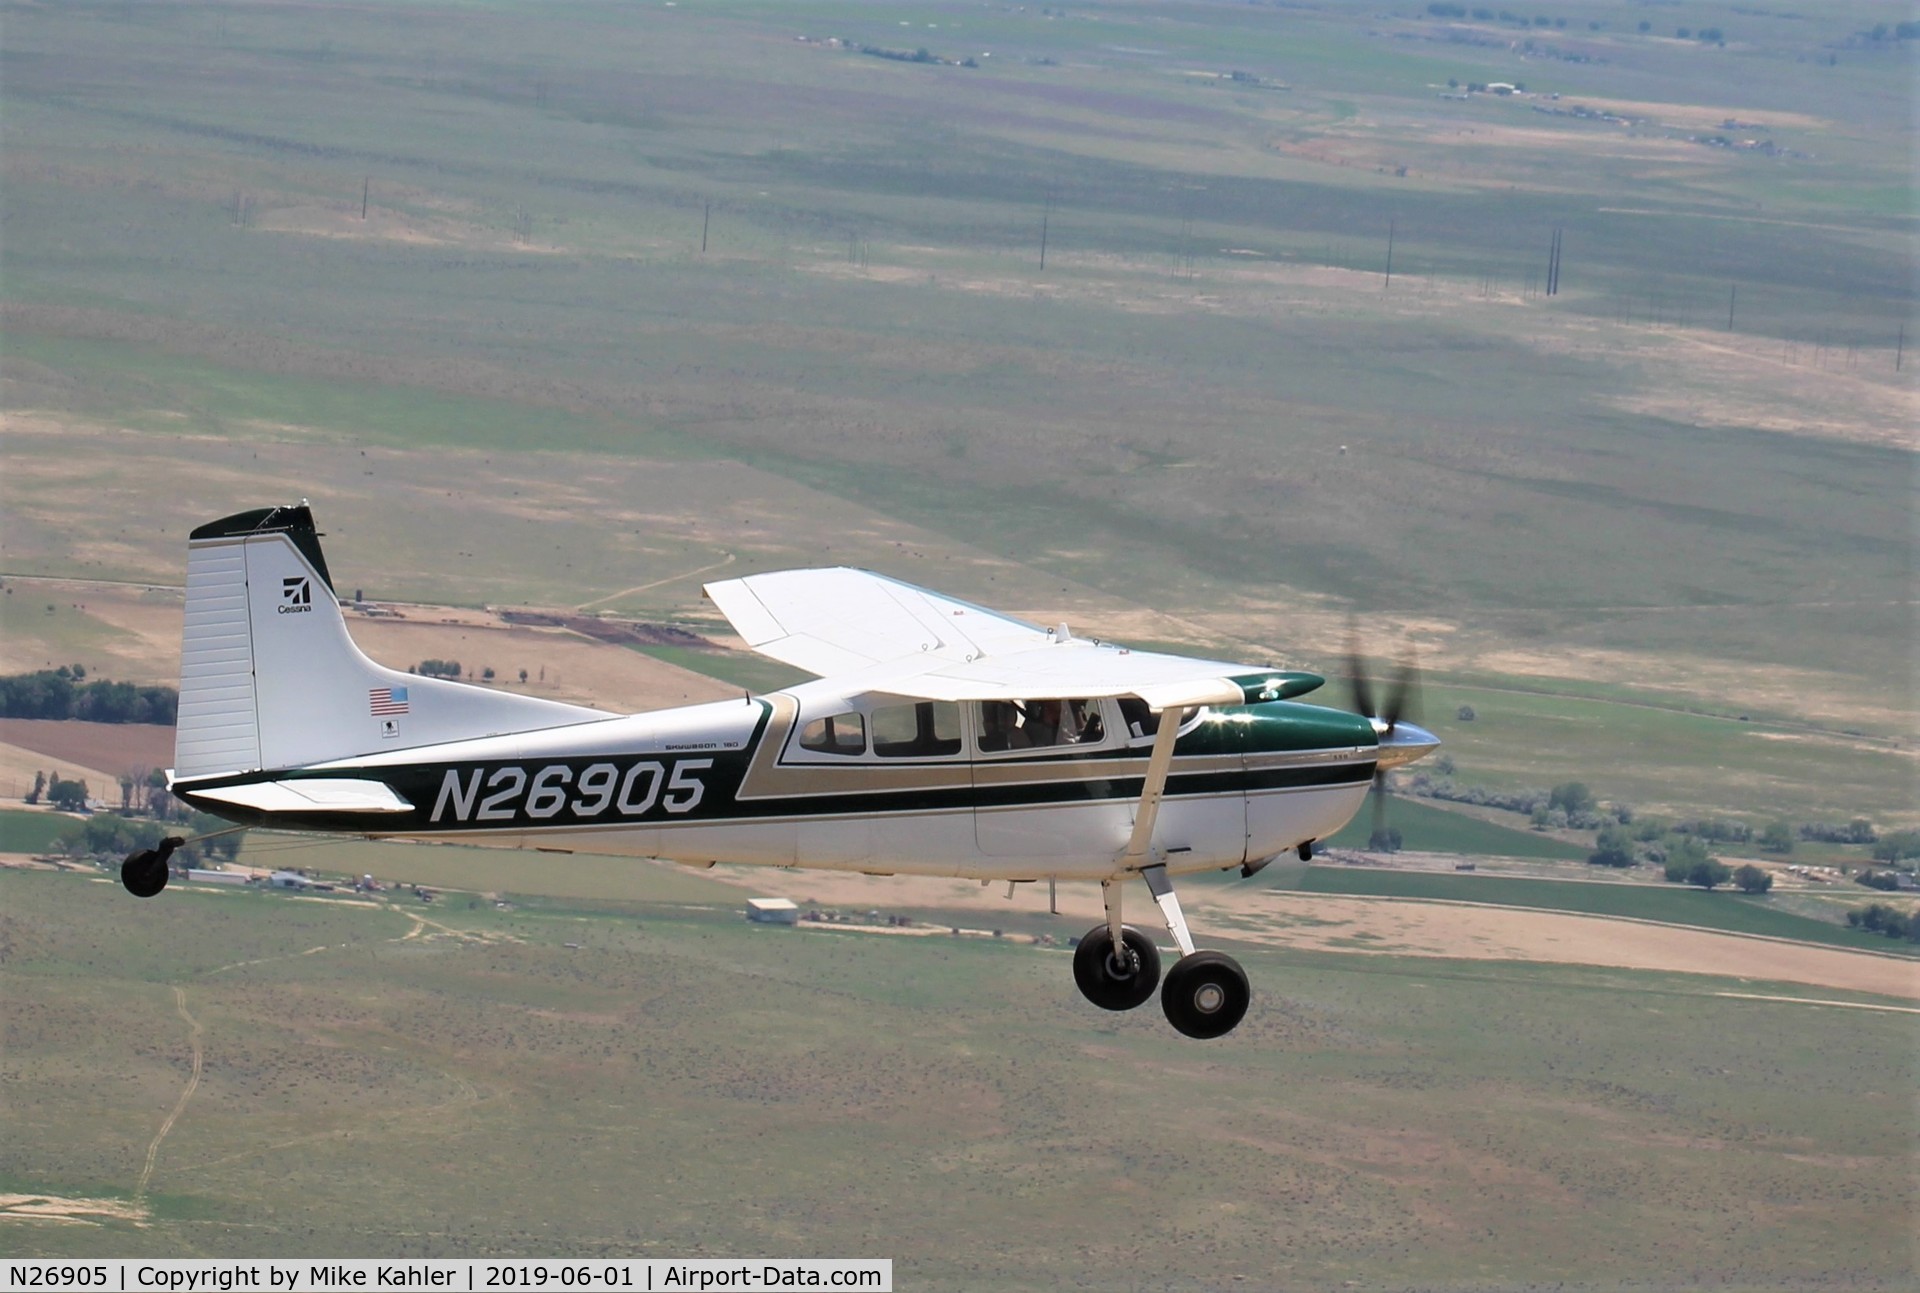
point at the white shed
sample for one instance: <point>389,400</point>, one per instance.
<point>773,911</point>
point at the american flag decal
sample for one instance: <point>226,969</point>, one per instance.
<point>387,700</point>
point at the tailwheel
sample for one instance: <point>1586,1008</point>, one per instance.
<point>1206,994</point>
<point>145,873</point>
<point>1117,981</point>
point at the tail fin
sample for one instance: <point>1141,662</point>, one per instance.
<point>269,678</point>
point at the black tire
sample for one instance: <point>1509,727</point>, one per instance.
<point>1206,994</point>
<point>1116,983</point>
<point>145,873</point>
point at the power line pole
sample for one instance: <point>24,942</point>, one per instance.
<point>1389,283</point>
<point>364,185</point>
<point>706,218</point>
<point>1731,288</point>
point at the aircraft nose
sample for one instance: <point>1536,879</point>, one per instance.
<point>1405,744</point>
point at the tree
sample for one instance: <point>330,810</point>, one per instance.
<point>1898,845</point>
<point>1708,873</point>
<point>39,784</point>
<point>523,677</point>
<point>1465,712</point>
<point>1384,840</point>
<point>1753,879</point>
<point>1615,848</point>
<point>1571,798</point>
<point>1777,838</point>
<point>1683,854</point>
<point>68,796</point>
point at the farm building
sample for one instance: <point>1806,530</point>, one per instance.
<point>218,877</point>
<point>773,911</point>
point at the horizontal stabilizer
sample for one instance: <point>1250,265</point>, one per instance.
<point>318,795</point>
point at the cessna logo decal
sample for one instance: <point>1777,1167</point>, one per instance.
<point>506,793</point>
<point>296,596</point>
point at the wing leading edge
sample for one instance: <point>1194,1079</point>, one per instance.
<point>872,633</point>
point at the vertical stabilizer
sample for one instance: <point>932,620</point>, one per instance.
<point>270,679</point>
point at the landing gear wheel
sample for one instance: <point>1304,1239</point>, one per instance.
<point>1116,982</point>
<point>145,873</point>
<point>1206,994</point>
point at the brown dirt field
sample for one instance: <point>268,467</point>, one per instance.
<point>578,670</point>
<point>104,747</point>
<point>1389,926</point>
<point>17,766</point>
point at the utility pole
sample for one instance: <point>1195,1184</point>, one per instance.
<point>1389,283</point>
<point>1731,289</point>
<point>364,185</point>
<point>706,218</point>
<point>1046,217</point>
<point>1899,347</point>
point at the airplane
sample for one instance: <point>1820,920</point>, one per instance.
<point>938,738</point>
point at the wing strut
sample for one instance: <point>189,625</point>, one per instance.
<point>1140,844</point>
<point>1158,765</point>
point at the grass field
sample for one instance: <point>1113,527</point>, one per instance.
<point>679,1082</point>
<point>1673,905</point>
<point>25,832</point>
<point>565,305</point>
<point>1436,830</point>
<point>1209,405</point>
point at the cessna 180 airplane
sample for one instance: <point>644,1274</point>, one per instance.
<point>939,738</point>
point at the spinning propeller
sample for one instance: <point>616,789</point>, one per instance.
<point>1400,700</point>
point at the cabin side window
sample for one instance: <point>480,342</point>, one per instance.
<point>844,734</point>
<point>1010,725</point>
<point>1140,721</point>
<point>925,729</point>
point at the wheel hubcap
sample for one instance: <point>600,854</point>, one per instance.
<point>1209,998</point>
<point>1121,966</point>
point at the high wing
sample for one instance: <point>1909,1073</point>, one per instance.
<point>873,633</point>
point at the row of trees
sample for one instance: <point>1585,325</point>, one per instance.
<point>65,693</point>
<point>1573,805</point>
<point>108,836</point>
<point>451,669</point>
<point>1880,918</point>
<point>1684,859</point>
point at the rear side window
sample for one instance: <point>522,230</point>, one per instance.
<point>922,730</point>
<point>837,734</point>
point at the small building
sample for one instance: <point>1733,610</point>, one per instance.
<point>773,911</point>
<point>218,877</point>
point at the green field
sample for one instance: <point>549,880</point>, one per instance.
<point>1671,905</point>
<point>24,832</point>
<point>1427,828</point>
<point>602,1081</point>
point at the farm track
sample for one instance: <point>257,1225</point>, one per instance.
<point>194,1032</point>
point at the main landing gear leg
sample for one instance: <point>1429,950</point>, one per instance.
<point>1206,993</point>
<point>1116,966</point>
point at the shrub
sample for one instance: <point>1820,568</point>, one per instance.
<point>1615,849</point>
<point>1753,879</point>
